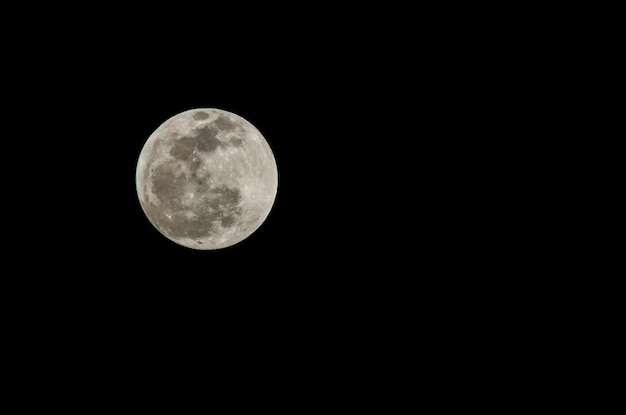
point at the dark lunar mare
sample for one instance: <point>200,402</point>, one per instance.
<point>200,115</point>
<point>218,204</point>
<point>204,139</point>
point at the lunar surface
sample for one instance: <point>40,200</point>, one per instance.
<point>206,179</point>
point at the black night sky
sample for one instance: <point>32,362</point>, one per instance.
<point>386,203</point>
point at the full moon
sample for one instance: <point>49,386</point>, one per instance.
<point>206,178</point>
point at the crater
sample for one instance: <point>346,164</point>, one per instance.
<point>201,115</point>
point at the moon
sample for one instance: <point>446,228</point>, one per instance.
<point>206,178</point>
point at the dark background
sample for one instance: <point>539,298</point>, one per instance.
<point>394,217</point>
<point>382,128</point>
<point>102,281</point>
<point>336,103</point>
<point>324,95</point>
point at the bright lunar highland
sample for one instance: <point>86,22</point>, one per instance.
<point>206,178</point>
